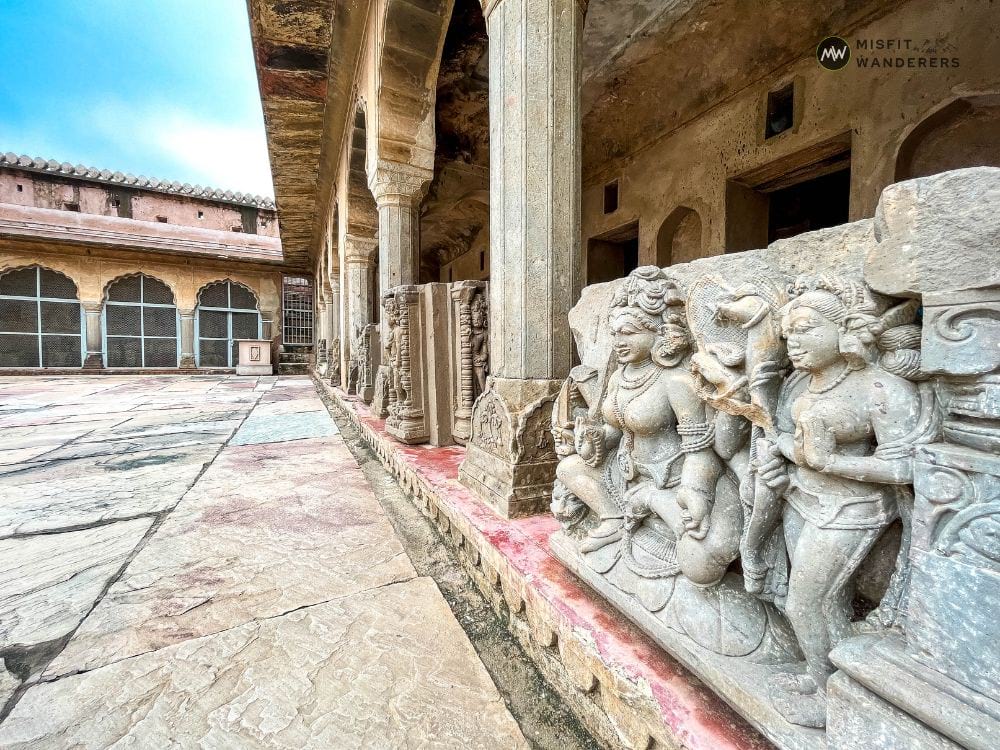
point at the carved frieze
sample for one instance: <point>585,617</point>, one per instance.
<point>781,472</point>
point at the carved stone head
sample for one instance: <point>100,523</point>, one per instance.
<point>479,311</point>
<point>830,318</point>
<point>391,311</point>
<point>647,319</point>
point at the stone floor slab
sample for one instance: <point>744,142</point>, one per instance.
<point>388,668</point>
<point>284,427</point>
<point>266,529</point>
<point>48,583</point>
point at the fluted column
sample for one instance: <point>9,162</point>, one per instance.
<point>357,284</point>
<point>187,338</point>
<point>95,346</point>
<point>398,189</point>
<point>534,244</point>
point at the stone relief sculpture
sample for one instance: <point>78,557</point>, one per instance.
<point>726,483</point>
<point>655,468</point>
<point>833,470</point>
<point>479,341</point>
<point>334,362</point>
<point>470,351</point>
<point>387,380</point>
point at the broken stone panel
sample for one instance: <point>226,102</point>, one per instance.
<point>765,456</point>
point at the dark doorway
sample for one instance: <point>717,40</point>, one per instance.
<point>814,204</point>
<point>613,254</point>
<point>804,192</point>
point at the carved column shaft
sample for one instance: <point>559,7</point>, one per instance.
<point>398,190</point>
<point>358,282</point>
<point>463,375</point>
<point>535,266</point>
<point>95,354</point>
<point>187,337</point>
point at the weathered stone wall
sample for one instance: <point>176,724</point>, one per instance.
<point>718,137</point>
<point>25,188</point>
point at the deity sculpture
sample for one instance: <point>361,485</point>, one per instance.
<point>393,351</point>
<point>834,471</point>
<point>480,341</point>
<point>655,467</point>
<point>334,359</point>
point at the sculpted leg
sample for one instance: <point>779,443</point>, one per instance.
<point>817,607</point>
<point>587,483</point>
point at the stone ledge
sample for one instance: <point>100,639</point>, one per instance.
<point>625,690</point>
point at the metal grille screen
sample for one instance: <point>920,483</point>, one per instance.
<point>227,312</point>
<point>41,321</point>
<point>140,324</point>
<point>297,315</point>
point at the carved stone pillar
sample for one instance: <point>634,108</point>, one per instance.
<point>187,338</point>
<point>469,351</point>
<point>406,421</point>
<point>534,243</point>
<point>398,189</point>
<point>333,326</point>
<point>322,332</point>
<point>95,353</point>
<point>367,356</point>
<point>359,264</point>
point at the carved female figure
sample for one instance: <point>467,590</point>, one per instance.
<point>835,458</point>
<point>650,463</point>
<point>479,341</point>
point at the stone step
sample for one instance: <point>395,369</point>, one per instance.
<point>293,368</point>
<point>287,357</point>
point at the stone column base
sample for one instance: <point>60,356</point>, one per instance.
<point>511,461</point>
<point>94,361</point>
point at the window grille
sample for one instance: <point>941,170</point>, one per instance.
<point>141,325</point>
<point>227,312</point>
<point>297,306</point>
<point>41,320</point>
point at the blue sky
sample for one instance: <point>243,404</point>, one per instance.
<point>162,88</point>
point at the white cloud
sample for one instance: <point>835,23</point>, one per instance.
<point>222,155</point>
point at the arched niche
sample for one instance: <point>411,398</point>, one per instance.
<point>679,237</point>
<point>964,132</point>
<point>141,325</point>
<point>41,320</point>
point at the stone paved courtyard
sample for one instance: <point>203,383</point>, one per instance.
<point>198,561</point>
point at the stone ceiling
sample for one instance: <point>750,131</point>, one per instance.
<point>291,44</point>
<point>651,66</point>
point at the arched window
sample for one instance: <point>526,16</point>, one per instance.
<point>41,320</point>
<point>227,312</point>
<point>140,323</point>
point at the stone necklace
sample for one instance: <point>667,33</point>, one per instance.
<point>637,387</point>
<point>836,381</point>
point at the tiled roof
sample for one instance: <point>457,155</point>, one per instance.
<point>51,166</point>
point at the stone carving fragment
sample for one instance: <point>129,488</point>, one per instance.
<point>470,351</point>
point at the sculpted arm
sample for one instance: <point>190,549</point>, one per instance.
<point>702,466</point>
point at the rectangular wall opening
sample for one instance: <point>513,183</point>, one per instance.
<point>613,254</point>
<point>803,192</point>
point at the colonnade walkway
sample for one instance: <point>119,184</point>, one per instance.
<point>198,561</point>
